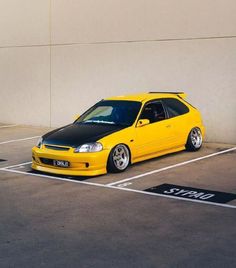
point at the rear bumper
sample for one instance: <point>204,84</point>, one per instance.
<point>203,130</point>
<point>81,164</point>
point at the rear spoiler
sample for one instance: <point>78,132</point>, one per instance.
<point>181,95</point>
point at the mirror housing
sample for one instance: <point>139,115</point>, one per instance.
<point>143,122</point>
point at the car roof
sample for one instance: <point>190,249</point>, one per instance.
<point>148,96</point>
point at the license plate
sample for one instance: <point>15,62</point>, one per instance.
<point>61,163</point>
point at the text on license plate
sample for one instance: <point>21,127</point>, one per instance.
<point>61,163</point>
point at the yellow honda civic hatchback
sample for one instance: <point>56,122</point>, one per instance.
<point>120,131</point>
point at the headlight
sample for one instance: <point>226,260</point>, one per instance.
<point>40,143</point>
<point>89,148</point>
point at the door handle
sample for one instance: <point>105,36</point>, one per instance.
<point>168,126</point>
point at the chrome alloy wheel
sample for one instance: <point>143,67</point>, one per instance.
<point>121,157</point>
<point>196,137</point>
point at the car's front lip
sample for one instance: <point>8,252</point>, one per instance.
<point>81,164</point>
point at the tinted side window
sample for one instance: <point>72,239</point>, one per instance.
<point>154,112</point>
<point>175,107</point>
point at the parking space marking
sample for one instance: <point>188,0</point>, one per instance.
<point>124,184</point>
<point>23,139</point>
<point>52,177</point>
<point>170,167</point>
<point>18,165</point>
<point>22,164</point>
<point>118,188</point>
<point>8,126</point>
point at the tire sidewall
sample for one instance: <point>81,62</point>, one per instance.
<point>189,145</point>
<point>111,167</point>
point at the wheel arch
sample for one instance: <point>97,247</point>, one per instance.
<point>112,147</point>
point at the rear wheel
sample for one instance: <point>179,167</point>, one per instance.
<point>119,158</point>
<point>194,141</point>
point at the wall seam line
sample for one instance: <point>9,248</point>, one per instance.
<point>118,42</point>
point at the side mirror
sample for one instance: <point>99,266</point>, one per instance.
<point>77,116</point>
<point>143,122</point>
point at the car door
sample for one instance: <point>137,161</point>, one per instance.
<point>155,136</point>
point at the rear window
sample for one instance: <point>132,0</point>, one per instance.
<point>175,107</point>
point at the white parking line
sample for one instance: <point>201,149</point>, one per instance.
<point>8,126</point>
<point>23,139</point>
<point>118,188</point>
<point>170,167</point>
<point>18,165</point>
<point>52,177</point>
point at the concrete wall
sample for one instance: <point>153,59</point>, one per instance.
<point>58,57</point>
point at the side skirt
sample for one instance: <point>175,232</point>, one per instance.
<point>157,154</point>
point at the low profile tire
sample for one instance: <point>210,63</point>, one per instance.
<point>119,159</point>
<point>194,141</point>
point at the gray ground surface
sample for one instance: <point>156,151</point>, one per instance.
<point>54,223</point>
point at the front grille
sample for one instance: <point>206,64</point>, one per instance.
<point>46,161</point>
<point>53,147</point>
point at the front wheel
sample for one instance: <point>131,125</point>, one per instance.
<point>119,158</point>
<point>194,141</point>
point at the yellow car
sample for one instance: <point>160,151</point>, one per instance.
<point>120,131</point>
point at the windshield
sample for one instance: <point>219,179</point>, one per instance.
<point>111,112</point>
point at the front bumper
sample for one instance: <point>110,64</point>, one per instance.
<point>81,164</point>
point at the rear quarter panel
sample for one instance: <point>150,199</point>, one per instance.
<point>193,119</point>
